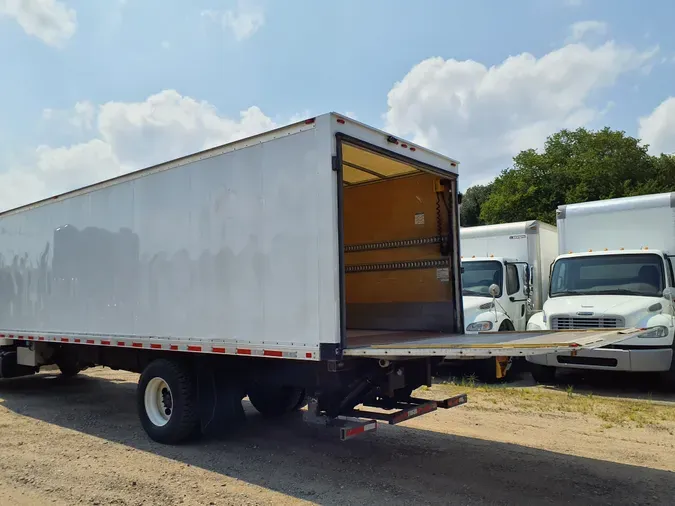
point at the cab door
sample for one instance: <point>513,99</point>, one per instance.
<point>515,286</point>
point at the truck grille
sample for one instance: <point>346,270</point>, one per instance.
<point>569,322</point>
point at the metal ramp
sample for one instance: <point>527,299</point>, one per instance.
<point>386,344</point>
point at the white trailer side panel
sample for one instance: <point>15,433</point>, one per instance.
<point>548,251</point>
<point>508,240</point>
<point>237,246</point>
<point>629,223</point>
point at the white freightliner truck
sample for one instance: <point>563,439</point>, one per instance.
<point>505,271</point>
<point>614,270</point>
<point>308,264</point>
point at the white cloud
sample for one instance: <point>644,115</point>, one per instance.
<point>56,170</point>
<point>243,21</point>
<point>83,115</point>
<point>128,136</point>
<point>78,119</point>
<point>658,129</point>
<point>581,29</point>
<point>485,115</point>
<point>168,125</point>
<point>49,20</point>
<point>166,44</point>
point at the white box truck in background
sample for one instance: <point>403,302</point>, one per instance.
<point>305,262</point>
<point>513,260</point>
<point>614,270</point>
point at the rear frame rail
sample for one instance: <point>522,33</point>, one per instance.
<point>412,408</point>
<point>348,428</point>
<point>357,422</point>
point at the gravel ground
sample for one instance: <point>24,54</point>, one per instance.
<point>79,441</point>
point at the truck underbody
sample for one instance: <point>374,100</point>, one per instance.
<point>202,393</point>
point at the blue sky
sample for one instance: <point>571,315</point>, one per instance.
<point>79,77</point>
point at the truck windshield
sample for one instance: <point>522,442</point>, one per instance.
<point>478,276</point>
<point>638,274</point>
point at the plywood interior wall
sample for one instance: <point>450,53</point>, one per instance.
<point>387,211</point>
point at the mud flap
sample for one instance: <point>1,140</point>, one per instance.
<point>502,365</point>
<point>220,407</point>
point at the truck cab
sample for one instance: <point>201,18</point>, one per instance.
<point>504,279</point>
<point>611,289</point>
<point>613,270</point>
<point>495,293</point>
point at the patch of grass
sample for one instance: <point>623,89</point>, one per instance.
<point>613,412</point>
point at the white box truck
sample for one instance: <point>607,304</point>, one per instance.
<point>303,265</point>
<point>505,269</point>
<point>614,270</point>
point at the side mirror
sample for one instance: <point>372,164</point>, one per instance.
<point>494,290</point>
<point>530,279</point>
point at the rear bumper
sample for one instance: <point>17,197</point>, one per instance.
<point>611,359</point>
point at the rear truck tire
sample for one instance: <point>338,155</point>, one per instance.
<point>276,401</point>
<point>544,374</point>
<point>167,402</point>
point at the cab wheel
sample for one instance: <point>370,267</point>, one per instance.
<point>668,377</point>
<point>544,374</point>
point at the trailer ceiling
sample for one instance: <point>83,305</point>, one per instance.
<point>361,166</point>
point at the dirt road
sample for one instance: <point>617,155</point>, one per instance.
<point>79,442</point>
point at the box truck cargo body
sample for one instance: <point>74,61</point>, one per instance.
<point>309,262</point>
<point>614,270</point>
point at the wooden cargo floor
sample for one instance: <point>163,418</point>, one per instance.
<point>364,338</point>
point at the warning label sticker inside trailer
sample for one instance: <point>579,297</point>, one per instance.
<point>419,219</point>
<point>443,274</point>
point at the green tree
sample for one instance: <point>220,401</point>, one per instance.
<point>472,201</point>
<point>575,166</point>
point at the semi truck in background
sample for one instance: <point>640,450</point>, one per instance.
<point>505,272</point>
<point>308,265</point>
<point>614,270</point>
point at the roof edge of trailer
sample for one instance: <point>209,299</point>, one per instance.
<point>517,227</point>
<point>414,145</point>
<point>269,135</point>
<point>649,201</point>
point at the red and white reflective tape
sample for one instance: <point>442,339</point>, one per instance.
<point>151,343</point>
<point>348,433</point>
<point>414,412</point>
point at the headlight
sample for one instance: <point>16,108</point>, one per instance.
<point>659,331</point>
<point>479,326</point>
<point>533,326</point>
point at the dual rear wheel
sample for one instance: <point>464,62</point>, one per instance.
<point>167,401</point>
